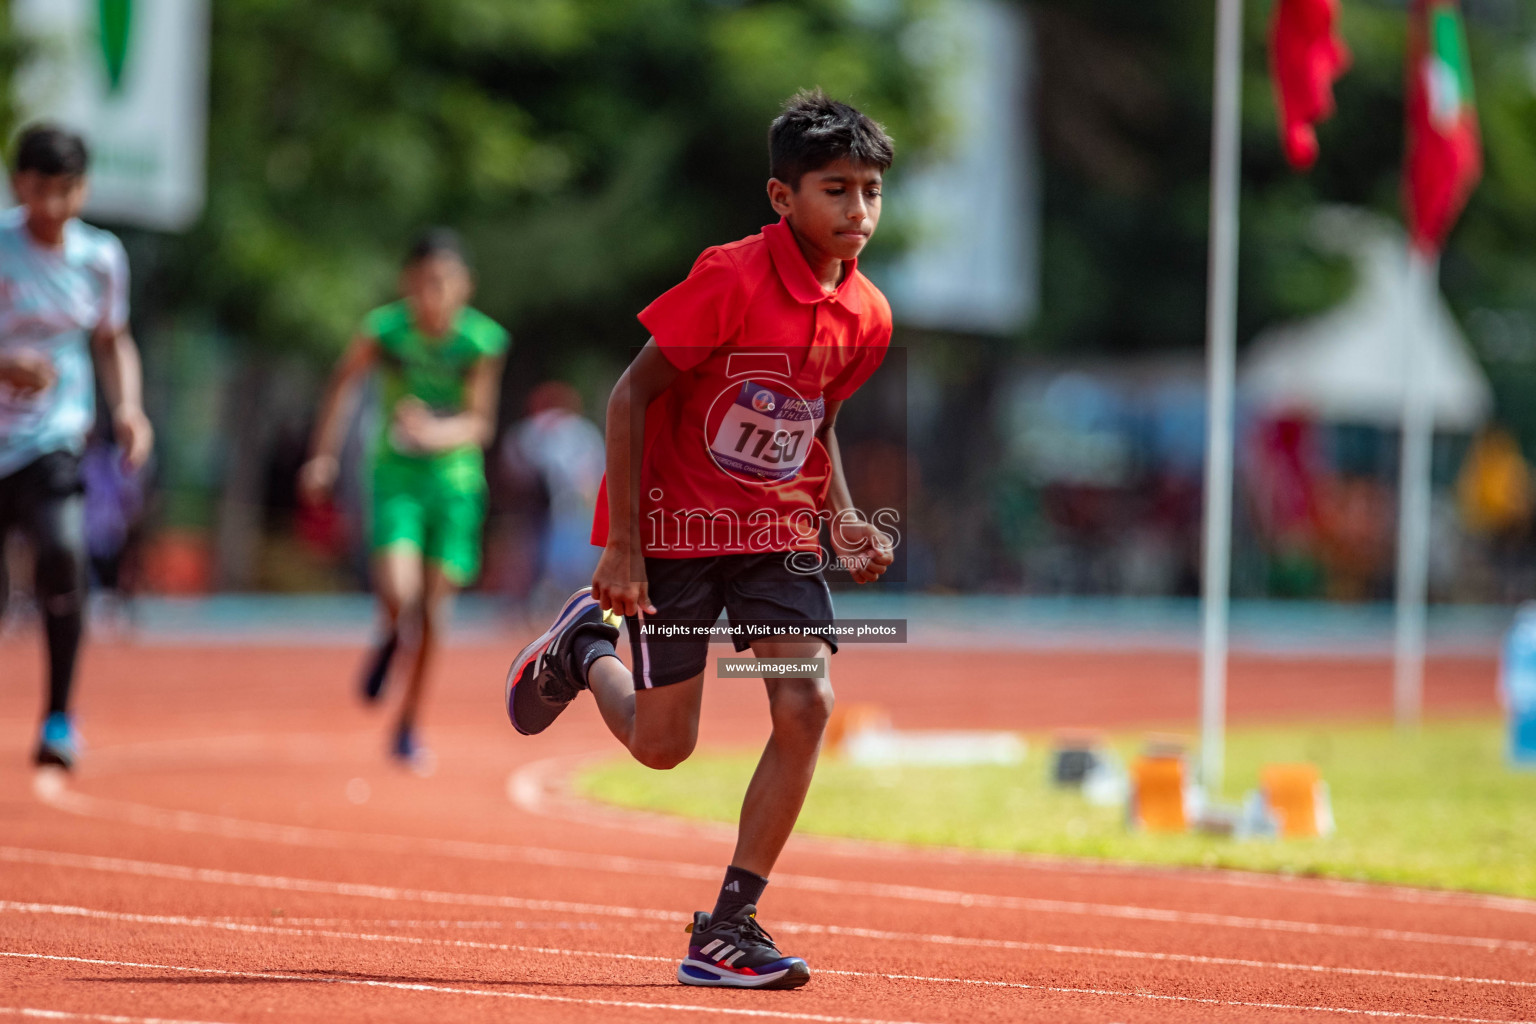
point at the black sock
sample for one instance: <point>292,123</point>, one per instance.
<point>587,647</point>
<point>740,888</point>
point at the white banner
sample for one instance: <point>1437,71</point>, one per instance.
<point>132,77</point>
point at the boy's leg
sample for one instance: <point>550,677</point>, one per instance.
<point>397,582</point>
<point>398,585</point>
<point>799,709</point>
<point>437,596</point>
<point>658,726</point>
<point>51,512</point>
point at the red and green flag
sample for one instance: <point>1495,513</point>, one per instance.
<point>1444,158</point>
<point>1306,55</point>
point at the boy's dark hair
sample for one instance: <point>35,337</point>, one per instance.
<point>51,150</point>
<point>815,130</point>
<point>435,242</point>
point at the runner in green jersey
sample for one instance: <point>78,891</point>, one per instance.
<point>439,364</point>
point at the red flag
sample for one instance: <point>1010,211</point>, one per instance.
<point>1445,157</point>
<point>1305,57</point>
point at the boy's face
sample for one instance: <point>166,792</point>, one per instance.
<point>436,288</point>
<point>50,199</point>
<point>835,209</point>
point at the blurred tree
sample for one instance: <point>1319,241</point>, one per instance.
<point>587,148</point>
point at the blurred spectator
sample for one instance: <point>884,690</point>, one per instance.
<point>1493,490</point>
<point>1285,490</point>
<point>564,452</point>
<point>114,500</point>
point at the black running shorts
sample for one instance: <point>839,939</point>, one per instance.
<point>758,590</point>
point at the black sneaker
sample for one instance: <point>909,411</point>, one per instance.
<point>735,952</point>
<point>378,667</point>
<point>542,680</point>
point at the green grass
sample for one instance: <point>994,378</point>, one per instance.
<point>1440,808</point>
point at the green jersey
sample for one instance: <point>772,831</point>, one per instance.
<point>434,371</point>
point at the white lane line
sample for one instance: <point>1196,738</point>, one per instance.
<point>725,1011</point>
<point>34,1013</point>
<point>541,788</point>
<point>484,924</point>
<point>212,876</point>
<point>63,910</point>
<point>298,835</point>
<point>535,788</point>
<point>404,986</point>
<point>383,892</point>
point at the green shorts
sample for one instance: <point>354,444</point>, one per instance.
<point>437,510</point>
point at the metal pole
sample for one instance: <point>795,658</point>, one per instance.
<point>1413,504</point>
<point>1221,345</point>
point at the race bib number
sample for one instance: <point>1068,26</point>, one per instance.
<point>765,433</point>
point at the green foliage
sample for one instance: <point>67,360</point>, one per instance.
<point>588,149</point>
<point>10,56</point>
<point>1436,808</point>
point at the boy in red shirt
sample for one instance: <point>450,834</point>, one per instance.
<point>722,466</point>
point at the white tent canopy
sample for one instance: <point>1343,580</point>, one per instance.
<point>1347,365</point>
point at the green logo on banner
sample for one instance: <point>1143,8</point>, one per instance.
<point>116,27</point>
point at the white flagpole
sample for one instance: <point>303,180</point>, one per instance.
<point>1221,347</point>
<point>1414,468</point>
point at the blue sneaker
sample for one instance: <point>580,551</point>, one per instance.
<point>59,745</point>
<point>735,952</point>
<point>542,679</point>
<point>412,755</point>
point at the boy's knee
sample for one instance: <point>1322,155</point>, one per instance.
<point>663,754</point>
<point>803,706</point>
<point>60,571</point>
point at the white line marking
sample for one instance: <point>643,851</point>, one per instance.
<point>105,1018</point>
<point>384,892</point>
<point>403,986</point>
<point>529,788</point>
<point>212,876</point>
<point>724,1011</point>
<point>221,924</point>
<point>296,835</point>
<point>535,788</point>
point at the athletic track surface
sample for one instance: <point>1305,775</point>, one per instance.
<point>235,850</point>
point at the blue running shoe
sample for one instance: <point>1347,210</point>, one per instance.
<point>735,952</point>
<point>543,679</point>
<point>59,745</point>
<point>412,755</point>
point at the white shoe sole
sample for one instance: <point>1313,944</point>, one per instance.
<point>708,975</point>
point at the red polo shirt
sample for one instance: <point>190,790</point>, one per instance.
<point>731,461</point>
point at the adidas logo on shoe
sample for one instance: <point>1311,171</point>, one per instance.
<point>733,887</point>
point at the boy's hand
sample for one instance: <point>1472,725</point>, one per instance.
<point>135,435</point>
<point>865,550</point>
<point>317,478</point>
<point>28,372</point>
<point>415,424</point>
<point>613,588</point>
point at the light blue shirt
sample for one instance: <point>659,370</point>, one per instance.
<point>50,303</point>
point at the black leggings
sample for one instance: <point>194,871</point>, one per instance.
<point>44,500</point>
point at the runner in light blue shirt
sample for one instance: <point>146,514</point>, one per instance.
<point>63,322</point>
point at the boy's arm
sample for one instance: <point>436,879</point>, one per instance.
<point>866,548</point>
<point>474,426</point>
<point>122,379</point>
<point>619,582</point>
<point>318,474</point>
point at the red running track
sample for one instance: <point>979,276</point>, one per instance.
<point>235,850</point>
